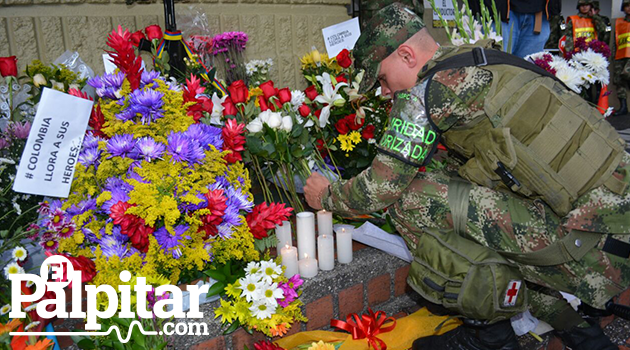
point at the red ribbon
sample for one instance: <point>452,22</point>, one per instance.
<point>366,327</point>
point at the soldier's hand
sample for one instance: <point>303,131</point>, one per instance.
<point>316,184</point>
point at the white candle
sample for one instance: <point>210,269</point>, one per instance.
<point>289,260</point>
<point>344,245</point>
<point>308,267</point>
<point>326,252</point>
<point>283,234</point>
<point>324,223</point>
<point>306,233</point>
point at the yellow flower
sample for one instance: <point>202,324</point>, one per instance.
<point>321,346</point>
<point>225,311</point>
<point>355,137</point>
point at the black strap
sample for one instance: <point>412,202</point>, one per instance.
<point>617,247</point>
<point>487,57</point>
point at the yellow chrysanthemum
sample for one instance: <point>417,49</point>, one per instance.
<point>321,346</point>
<point>355,137</point>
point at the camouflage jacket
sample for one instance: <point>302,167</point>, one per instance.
<point>367,8</point>
<point>600,29</point>
<point>454,98</point>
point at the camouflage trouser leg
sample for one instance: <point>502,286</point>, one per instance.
<point>554,310</point>
<point>620,82</point>
<point>505,222</point>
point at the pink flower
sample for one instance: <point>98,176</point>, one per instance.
<point>20,130</point>
<point>4,143</point>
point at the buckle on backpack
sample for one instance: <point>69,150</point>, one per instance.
<point>508,179</point>
<point>479,56</point>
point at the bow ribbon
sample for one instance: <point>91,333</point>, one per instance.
<point>366,327</point>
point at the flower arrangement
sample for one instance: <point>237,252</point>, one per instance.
<point>263,299</point>
<point>258,71</point>
<point>585,66</point>
<point>351,122</point>
<point>468,30</point>
<point>227,49</point>
<point>56,77</point>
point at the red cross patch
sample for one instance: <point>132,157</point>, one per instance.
<point>511,294</point>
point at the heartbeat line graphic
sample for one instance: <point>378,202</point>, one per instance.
<point>94,334</point>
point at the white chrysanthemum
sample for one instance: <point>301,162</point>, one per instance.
<point>297,99</point>
<point>262,310</point>
<point>572,77</point>
<point>19,253</point>
<point>5,309</point>
<point>271,293</point>
<point>558,63</point>
<point>592,60</point>
<point>31,326</point>
<point>603,76</point>
<point>251,286</point>
<point>270,271</point>
<point>13,268</point>
<point>253,269</point>
<point>30,308</point>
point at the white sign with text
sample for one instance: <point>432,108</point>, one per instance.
<point>52,149</point>
<point>341,36</point>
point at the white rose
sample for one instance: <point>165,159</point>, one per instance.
<point>39,79</point>
<point>287,123</point>
<point>254,126</point>
<point>275,120</point>
<point>264,116</point>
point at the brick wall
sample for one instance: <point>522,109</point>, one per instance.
<point>281,29</point>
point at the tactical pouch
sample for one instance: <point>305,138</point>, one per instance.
<point>466,277</point>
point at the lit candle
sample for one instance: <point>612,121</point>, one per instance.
<point>283,234</point>
<point>308,267</point>
<point>306,233</point>
<point>289,260</point>
<point>324,223</point>
<point>344,245</point>
<point>326,252</point>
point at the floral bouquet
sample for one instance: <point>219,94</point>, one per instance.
<point>258,71</point>
<point>351,122</point>
<point>227,49</point>
<point>468,29</point>
<point>263,300</point>
<point>585,66</point>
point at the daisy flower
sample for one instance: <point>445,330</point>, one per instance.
<point>251,287</point>
<point>19,253</point>
<point>261,310</point>
<point>31,326</point>
<point>270,271</point>
<point>271,293</point>
<point>5,309</point>
<point>253,269</point>
<point>13,268</point>
<point>30,308</point>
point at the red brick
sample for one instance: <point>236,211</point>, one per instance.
<point>65,342</point>
<point>605,321</point>
<point>319,313</point>
<point>621,347</point>
<point>358,246</point>
<point>400,281</point>
<point>350,301</point>
<point>241,338</point>
<point>378,289</point>
<point>555,344</point>
<point>212,344</point>
<point>401,314</point>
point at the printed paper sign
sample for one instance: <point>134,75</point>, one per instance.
<point>341,36</point>
<point>52,149</point>
<point>447,10</point>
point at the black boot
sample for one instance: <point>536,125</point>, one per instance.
<point>497,336</point>
<point>623,109</point>
<point>590,338</point>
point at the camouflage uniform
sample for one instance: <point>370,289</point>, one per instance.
<point>369,7</point>
<point>621,79</point>
<point>555,23</point>
<point>605,35</point>
<point>598,23</point>
<point>499,220</point>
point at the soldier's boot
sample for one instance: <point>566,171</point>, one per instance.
<point>612,308</point>
<point>589,338</point>
<point>623,109</point>
<point>497,336</point>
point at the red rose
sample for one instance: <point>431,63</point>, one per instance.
<point>238,92</point>
<point>311,92</point>
<point>153,32</point>
<point>317,113</point>
<point>342,126</point>
<point>268,90</point>
<point>284,95</point>
<point>136,37</point>
<point>341,78</point>
<point>263,103</point>
<point>228,107</point>
<point>8,66</point>
<point>368,132</point>
<point>304,110</point>
<point>343,58</point>
<point>352,121</point>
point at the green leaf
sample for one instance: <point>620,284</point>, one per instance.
<point>234,326</point>
<point>216,275</point>
<point>86,344</point>
<point>216,289</point>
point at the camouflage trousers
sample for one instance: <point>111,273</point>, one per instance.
<point>505,222</point>
<point>621,81</point>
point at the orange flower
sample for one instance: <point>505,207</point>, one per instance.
<point>10,326</point>
<point>40,345</point>
<point>279,331</point>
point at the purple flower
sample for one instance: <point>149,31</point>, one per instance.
<point>148,77</point>
<point>148,149</point>
<point>206,135</point>
<point>108,85</point>
<point>89,156</point>
<point>148,103</point>
<point>120,145</point>
<point>188,207</point>
<point>184,149</point>
<point>290,290</point>
<point>119,189</point>
<point>91,141</point>
<point>19,130</point>
<point>4,143</point>
<point>82,207</point>
<point>236,198</point>
<point>170,243</point>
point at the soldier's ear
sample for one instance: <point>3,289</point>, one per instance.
<point>407,55</point>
